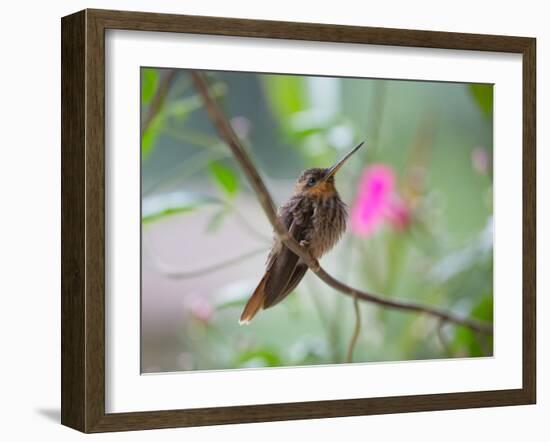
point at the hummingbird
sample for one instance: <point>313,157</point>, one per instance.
<point>316,217</point>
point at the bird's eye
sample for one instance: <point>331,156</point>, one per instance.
<point>311,182</point>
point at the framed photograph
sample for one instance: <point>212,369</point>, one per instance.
<point>267,221</point>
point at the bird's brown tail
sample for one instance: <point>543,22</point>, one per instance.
<point>255,302</point>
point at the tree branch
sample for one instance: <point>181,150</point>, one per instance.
<point>227,134</point>
<point>356,329</point>
<point>189,274</point>
<point>158,99</point>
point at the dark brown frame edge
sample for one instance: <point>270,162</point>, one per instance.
<point>83,217</point>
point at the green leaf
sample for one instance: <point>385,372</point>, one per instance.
<point>150,135</point>
<point>182,107</point>
<point>286,94</point>
<point>216,220</point>
<point>157,207</point>
<point>231,295</point>
<point>164,213</point>
<point>259,358</point>
<point>240,303</point>
<point>149,82</point>
<point>224,177</point>
<point>468,343</point>
<point>483,95</point>
<point>484,309</point>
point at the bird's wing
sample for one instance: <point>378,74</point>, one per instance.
<point>297,275</point>
<point>283,270</point>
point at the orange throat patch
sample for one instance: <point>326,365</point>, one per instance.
<point>322,189</point>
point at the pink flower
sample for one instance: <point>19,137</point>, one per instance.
<point>377,202</point>
<point>201,310</point>
<point>480,160</point>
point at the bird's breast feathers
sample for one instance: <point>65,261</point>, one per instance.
<point>319,222</point>
<point>329,224</point>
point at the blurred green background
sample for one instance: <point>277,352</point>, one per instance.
<point>205,238</point>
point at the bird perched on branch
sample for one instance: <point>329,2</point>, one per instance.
<point>316,217</point>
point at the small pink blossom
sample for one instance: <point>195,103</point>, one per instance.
<point>398,214</point>
<point>242,126</point>
<point>480,160</point>
<point>201,310</point>
<point>378,202</point>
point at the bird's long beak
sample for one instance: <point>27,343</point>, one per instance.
<point>332,171</point>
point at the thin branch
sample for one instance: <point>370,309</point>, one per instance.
<point>227,134</point>
<point>404,305</point>
<point>443,339</point>
<point>158,99</point>
<point>212,268</point>
<point>246,225</point>
<point>356,329</point>
<point>482,339</point>
<point>184,170</point>
<point>190,274</point>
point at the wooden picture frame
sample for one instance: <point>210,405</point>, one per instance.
<point>83,220</point>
